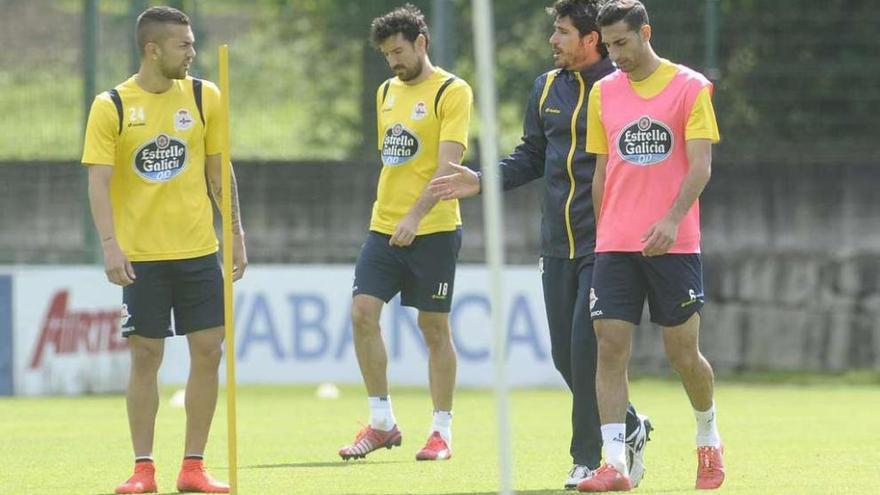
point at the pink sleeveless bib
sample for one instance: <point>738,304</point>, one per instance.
<point>647,161</point>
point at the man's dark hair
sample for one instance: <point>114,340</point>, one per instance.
<point>582,14</point>
<point>407,20</point>
<point>630,11</point>
<point>156,17</point>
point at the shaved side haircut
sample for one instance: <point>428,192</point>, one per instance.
<point>151,24</point>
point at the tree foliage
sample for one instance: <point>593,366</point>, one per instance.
<point>797,79</point>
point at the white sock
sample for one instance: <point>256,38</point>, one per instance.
<point>614,445</point>
<point>443,424</point>
<point>707,428</point>
<point>381,415</point>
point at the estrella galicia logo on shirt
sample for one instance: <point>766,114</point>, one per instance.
<point>645,142</point>
<point>160,159</point>
<point>399,146</point>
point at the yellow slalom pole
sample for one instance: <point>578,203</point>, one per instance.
<point>226,213</point>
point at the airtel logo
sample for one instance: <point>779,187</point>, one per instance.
<point>70,332</point>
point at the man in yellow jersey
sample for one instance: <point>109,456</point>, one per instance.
<point>413,242</point>
<point>651,125</point>
<point>552,148</point>
<point>150,144</point>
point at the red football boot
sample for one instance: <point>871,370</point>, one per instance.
<point>436,449</point>
<point>368,440</point>
<point>710,468</point>
<point>606,479</point>
<point>142,481</point>
<point>194,478</point>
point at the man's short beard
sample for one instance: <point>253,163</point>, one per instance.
<point>177,73</point>
<point>410,75</point>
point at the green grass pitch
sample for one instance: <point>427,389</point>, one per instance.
<point>820,438</point>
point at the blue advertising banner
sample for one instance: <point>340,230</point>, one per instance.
<point>5,335</point>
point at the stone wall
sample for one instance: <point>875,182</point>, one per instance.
<point>792,252</point>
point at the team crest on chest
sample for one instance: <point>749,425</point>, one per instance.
<point>645,141</point>
<point>183,120</point>
<point>419,111</point>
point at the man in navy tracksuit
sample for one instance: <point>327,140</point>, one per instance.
<point>553,147</point>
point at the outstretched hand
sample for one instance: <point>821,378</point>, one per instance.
<point>464,183</point>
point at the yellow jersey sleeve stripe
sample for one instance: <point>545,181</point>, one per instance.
<point>117,102</point>
<point>454,114</point>
<point>197,94</point>
<point>440,92</point>
<point>100,144</point>
<point>211,101</point>
<point>385,89</point>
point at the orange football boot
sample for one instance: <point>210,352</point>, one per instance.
<point>142,481</point>
<point>606,479</point>
<point>194,478</point>
<point>370,439</point>
<point>435,449</point>
<point>710,468</point>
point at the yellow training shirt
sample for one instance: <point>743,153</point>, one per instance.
<point>701,122</point>
<point>161,207</point>
<point>412,121</point>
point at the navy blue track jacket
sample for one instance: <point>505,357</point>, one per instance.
<point>554,147</point>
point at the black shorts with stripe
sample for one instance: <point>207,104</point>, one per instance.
<point>190,289</point>
<point>423,272</point>
<point>672,284</point>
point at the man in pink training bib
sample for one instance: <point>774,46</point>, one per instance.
<point>652,126</point>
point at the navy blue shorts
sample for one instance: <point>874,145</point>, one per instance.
<point>672,283</point>
<point>191,288</point>
<point>423,272</point>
